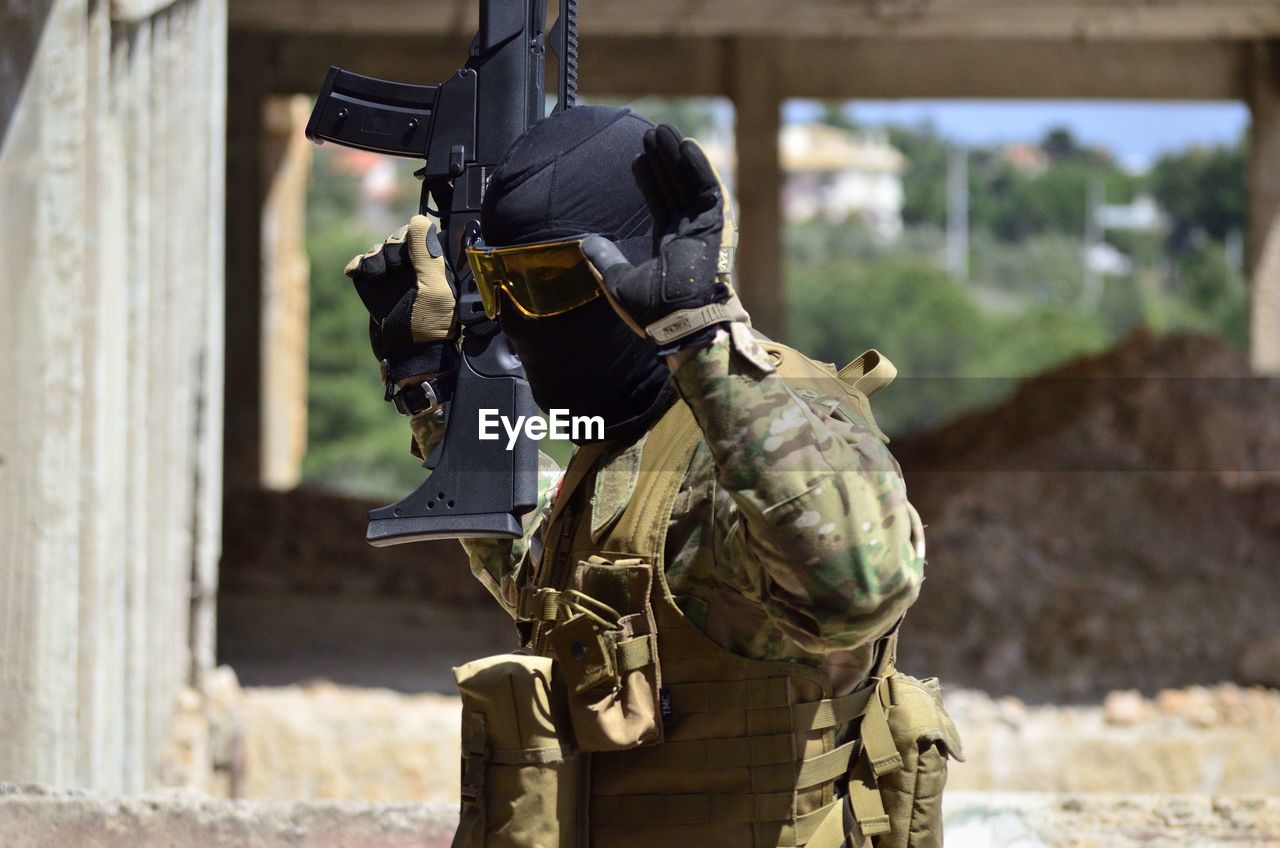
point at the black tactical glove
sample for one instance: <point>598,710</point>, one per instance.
<point>678,297</point>
<point>408,289</point>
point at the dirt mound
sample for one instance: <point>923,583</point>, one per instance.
<point>1115,524</point>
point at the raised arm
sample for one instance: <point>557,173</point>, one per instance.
<point>827,541</point>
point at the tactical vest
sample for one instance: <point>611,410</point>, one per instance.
<point>661,736</point>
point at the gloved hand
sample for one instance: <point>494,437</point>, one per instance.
<point>409,292</point>
<point>678,297</point>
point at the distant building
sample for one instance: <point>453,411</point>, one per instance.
<point>833,173</point>
<point>1106,260</point>
<point>1027,157</point>
<point>839,174</point>
<point>1142,215</point>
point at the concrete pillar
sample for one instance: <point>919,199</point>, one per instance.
<point>110,327</point>
<point>285,282</point>
<point>758,181</point>
<point>42,286</point>
<point>1264,209</point>
<point>209,474</point>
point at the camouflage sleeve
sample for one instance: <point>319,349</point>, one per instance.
<point>497,562</point>
<point>826,540</point>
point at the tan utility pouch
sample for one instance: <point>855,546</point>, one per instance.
<point>521,778</point>
<point>925,737</point>
<point>605,644</point>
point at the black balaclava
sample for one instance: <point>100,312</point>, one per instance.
<point>570,175</point>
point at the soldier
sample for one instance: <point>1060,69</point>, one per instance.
<point>716,585</point>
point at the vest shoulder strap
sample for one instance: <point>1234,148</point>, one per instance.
<point>857,381</point>
<point>869,373</point>
<point>664,462</point>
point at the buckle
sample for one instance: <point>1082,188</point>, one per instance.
<point>472,783</point>
<point>427,396</point>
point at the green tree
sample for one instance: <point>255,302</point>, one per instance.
<point>835,113</point>
<point>1053,201</point>
<point>955,350</point>
<point>355,442</point>
<point>924,184</point>
<point>1012,204</point>
<point>1041,269</point>
<point>1211,296</point>
<point>1202,189</point>
<point>1060,143</point>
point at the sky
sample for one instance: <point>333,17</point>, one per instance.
<point>1137,132</point>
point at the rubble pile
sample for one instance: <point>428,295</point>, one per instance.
<point>1114,525</point>
<point>320,741</point>
<point>1198,740</point>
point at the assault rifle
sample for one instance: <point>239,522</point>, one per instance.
<point>462,128</point>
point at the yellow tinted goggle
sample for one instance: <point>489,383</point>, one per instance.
<point>542,280</point>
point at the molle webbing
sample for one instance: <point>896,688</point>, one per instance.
<point>878,756</point>
<point>734,752</point>
<point>772,761</point>
<point>768,694</point>
<point>758,752</point>
<point>808,830</point>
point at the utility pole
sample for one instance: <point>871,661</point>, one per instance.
<point>958,213</point>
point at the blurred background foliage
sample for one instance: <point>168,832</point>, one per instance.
<point>356,443</point>
<point>957,345</point>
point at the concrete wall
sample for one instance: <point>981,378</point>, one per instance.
<point>111,298</point>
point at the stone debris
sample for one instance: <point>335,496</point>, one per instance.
<point>33,817</point>
<point>327,741</point>
<point>1127,707</point>
<point>1222,739</point>
<point>1035,820</point>
<point>324,741</point>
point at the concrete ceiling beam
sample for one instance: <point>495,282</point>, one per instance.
<point>811,68</point>
<point>1055,20</point>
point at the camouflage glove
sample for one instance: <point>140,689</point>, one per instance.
<point>681,295</point>
<point>408,289</point>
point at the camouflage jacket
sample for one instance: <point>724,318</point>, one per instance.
<point>791,538</point>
